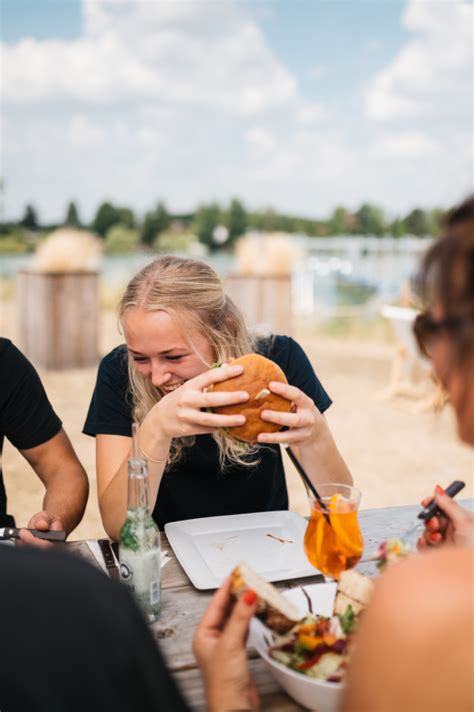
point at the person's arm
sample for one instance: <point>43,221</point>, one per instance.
<point>219,646</point>
<point>179,414</point>
<point>413,650</point>
<point>321,459</point>
<point>66,483</point>
<point>309,435</point>
<point>112,454</point>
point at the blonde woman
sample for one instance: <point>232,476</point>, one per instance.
<point>177,323</point>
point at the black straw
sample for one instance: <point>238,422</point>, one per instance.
<point>307,483</point>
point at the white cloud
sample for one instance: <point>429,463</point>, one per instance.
<point>82,132</point>
<point>310,112</point>
<point>411,145</point>
<point>260,138</point>
<point>184,53</point>
<point>432,74</point>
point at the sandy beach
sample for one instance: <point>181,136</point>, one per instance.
<point>396,454</point>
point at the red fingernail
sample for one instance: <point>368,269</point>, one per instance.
<point>435,536</point>
<point>439,490</point>
<point>250,597</point>
<point>431,524</point>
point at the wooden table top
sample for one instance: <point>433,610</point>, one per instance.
<point>182,607</point>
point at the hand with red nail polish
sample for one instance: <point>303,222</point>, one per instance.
<point>219,647</point>
<point>250,597</point>
<point>455,526</point>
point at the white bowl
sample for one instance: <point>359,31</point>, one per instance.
<point>307,691</point>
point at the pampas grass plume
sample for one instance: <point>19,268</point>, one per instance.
<point>68,250</point>
<point>272,254</point>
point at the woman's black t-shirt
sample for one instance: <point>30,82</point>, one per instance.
<point>196,486</point>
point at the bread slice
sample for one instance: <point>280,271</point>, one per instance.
<point>353,589</point>
<point>274,610</point>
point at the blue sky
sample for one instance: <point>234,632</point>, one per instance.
<point>297,105</point>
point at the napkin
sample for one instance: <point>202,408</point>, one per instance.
<point>95,549</point>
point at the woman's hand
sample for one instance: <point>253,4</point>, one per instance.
<point>219,647</point>
<point>304,423</point>
<point>456,527</point>
<point>183,412</point>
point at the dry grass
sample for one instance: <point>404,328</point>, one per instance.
<point>270,254</point>
<point>68,250</point>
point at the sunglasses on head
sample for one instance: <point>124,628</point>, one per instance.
<point>426,328</point>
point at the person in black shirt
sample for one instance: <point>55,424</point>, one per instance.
<point>74,640</point>
<point>29,422</point>
<point>177,323</point>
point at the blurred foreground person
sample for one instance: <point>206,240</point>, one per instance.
<point>414,649</point>
<point>29,422</point>
<point>423,609</point>
<point>74,641</point>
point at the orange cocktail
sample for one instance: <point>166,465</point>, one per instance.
<point>335,545</point>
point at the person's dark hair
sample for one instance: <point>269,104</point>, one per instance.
<point>446,278</point>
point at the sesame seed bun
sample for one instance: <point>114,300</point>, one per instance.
<point>257,374</point>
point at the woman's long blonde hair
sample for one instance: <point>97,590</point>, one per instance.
<point>191,293</point>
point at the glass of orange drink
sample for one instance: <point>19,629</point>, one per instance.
<point>333,541</point>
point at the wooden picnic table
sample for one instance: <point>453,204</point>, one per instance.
<point>182,607</point>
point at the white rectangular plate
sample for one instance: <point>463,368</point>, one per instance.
<point>270,542</point>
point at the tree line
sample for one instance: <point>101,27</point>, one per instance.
<point>209,218</point>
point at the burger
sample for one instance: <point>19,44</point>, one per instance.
<point>257,374</point>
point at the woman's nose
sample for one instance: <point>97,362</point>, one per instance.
<point>159,374</point>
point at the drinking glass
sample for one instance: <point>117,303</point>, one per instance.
<point>333,541</point>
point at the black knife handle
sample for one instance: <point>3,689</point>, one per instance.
<point>14,533</point>
<point>432,510</point>
<point>49,535</point>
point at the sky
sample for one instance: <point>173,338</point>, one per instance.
<point>296,105</point>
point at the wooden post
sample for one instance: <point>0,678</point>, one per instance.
<point>58,318</point>
<point>265,301</point>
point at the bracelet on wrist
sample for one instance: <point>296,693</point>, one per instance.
<point>152,459</point>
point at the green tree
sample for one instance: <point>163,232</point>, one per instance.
<point>436,218</point>
<point>398,228</point>
<point>120,239</point>
<point>267,220</point>
<point>175,241</point>
<point>72,216</point>
<point>105,217</point>
<point>341,222</point>
<point>156,221</point>
<point>370,220</point>
<point>126,217</point>
<point>206,220</point>
<point>30,218</point>
<point>417,222</point>
<point>236,219</point>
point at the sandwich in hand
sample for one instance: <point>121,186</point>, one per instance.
<point>274,610</point>
<point>257,374</point>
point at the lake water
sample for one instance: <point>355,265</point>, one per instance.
<point>335,276</point>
